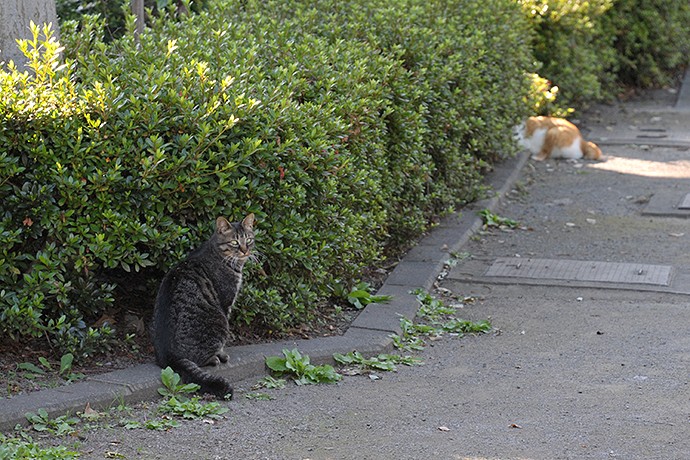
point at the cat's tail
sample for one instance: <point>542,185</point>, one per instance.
<point>590,150</point>
<point>209,383</point>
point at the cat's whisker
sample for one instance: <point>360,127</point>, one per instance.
<point>234,263</point>
<point>228,261</point>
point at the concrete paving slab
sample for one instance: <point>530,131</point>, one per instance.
<point>321,349</point>
<point>407,301</point>
<point>141,382</point>
<point>386,317</point>
<point>368,342</point>
<point>668,202</point>
<point>474,270</point>
<point>382,317</point>
<point>428,252</point>
<point>414,274</point>
<point>578,270</point>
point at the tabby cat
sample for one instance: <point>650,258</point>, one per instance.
<point>190,319</point>
<point>550,137</point>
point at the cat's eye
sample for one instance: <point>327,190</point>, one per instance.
<point>250,241</point>
<point>235,244</point>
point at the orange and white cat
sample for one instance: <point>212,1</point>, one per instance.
<point>550,137</point>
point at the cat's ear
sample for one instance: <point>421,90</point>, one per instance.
<point>222,225</point>
<point>248,222</point>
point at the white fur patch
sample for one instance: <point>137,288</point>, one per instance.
<point>536,141</point>
<point>571,152</point>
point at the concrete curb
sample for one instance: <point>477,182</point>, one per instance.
<point>368,334</point>
<point>683,101</point>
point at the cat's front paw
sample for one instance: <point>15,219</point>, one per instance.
<point>213,361</point>
<point>223,357</point>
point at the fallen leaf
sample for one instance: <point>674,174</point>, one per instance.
<point>515,425</point>
<point>104,319</point>
<point>135,323</point>
<point>89,413</point>
<point>443,428</point>
<point>677,235</point>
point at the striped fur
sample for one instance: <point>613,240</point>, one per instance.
<point>194,302</point>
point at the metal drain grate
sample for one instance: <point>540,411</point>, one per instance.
<point>577,270</point>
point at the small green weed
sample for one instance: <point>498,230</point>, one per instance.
<point>172,386</point>
<point>493,220</point>
<point>59,426</point>
<point>32,371</point>
<point>456,257</point>
<point>192,408</point>
<point>431,308</point>
<point>298,366</point>
<point>270,383</point>
<point>435,319</point>
<point>360,295</point>
<point>381,362</point>
<point>177,403</point>
<point>459,326</point>
<point>407,342</point>
<point>26,448</point>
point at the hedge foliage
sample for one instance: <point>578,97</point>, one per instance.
<point>651,41</point>
<point>344,126</point>
<point>115,11</point>
<point>589,48</point>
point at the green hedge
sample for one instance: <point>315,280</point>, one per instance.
<point>589,48</point>
<point>344,126</point>
<point>573,48</point>
<point>651,40</point>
